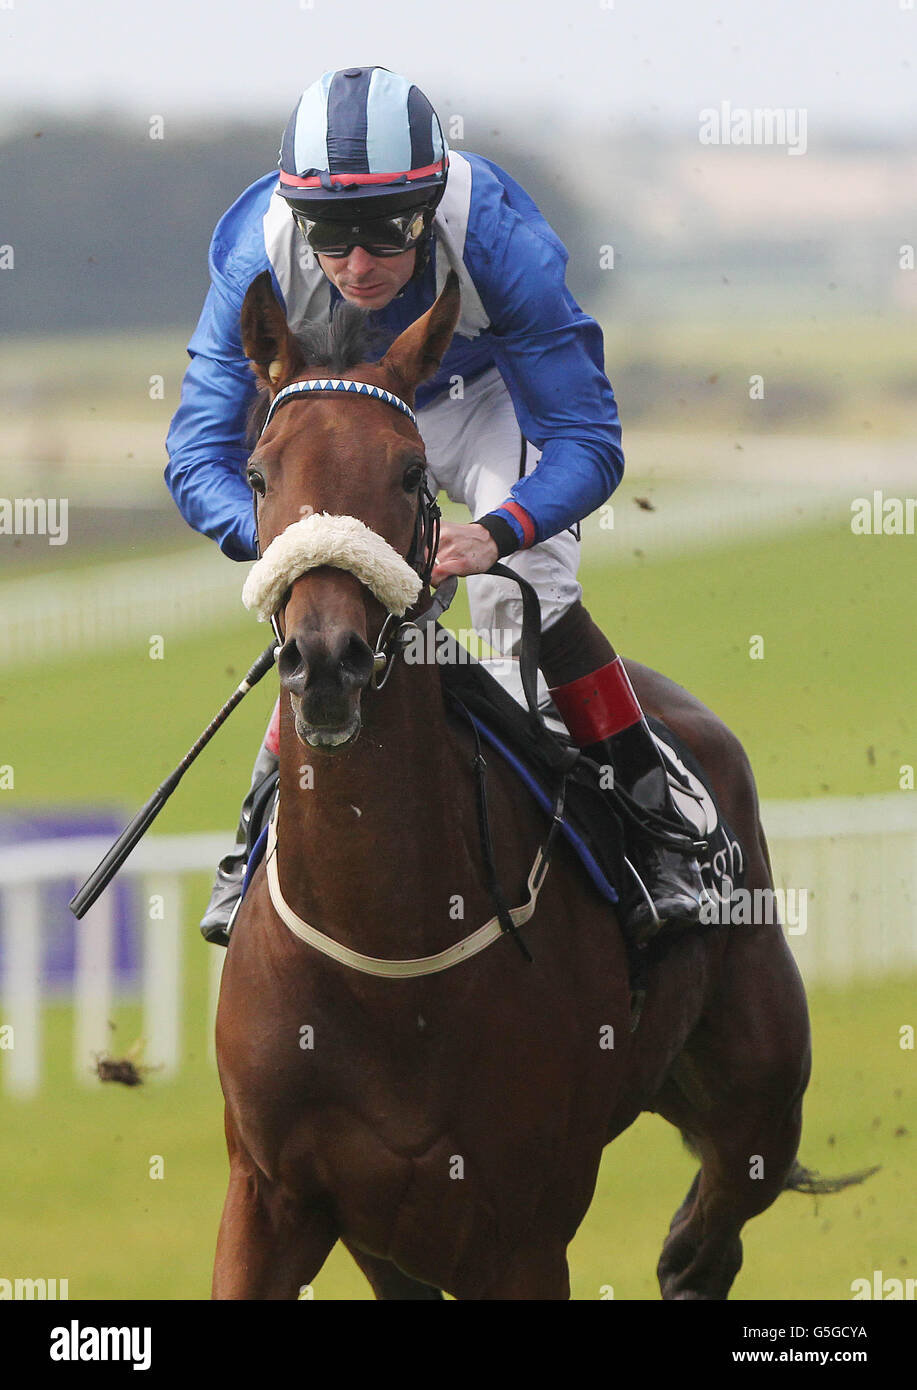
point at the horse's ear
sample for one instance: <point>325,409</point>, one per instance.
<point>267,341</point>
<point>417,352</point>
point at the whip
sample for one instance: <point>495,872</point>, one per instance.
<point>102,875</point>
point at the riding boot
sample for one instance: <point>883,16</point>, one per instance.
<point>226,895</point>
<point>605,720</point>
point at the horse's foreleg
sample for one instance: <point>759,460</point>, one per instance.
<point>538,1272</point>
<point>270,1246</point>
<point>387,1280</point>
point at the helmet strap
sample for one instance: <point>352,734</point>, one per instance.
<point>422,258</point>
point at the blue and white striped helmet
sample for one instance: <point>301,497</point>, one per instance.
<point>362,142</point>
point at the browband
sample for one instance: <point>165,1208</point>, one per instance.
<point>353,388</point>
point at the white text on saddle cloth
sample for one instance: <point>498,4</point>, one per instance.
<point>698,810</point>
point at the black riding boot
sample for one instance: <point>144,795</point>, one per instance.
<point>667,887</point>
<point>216,922</point>
<point>606,721</point>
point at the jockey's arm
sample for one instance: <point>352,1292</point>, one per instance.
<point>206,442</point>
<point>551,357</point>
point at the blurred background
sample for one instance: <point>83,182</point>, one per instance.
<point>759,310</point>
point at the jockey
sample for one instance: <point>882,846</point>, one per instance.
<point>519,423</point>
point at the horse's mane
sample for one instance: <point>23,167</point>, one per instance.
<point>346,340</point>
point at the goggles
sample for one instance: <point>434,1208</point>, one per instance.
<point>381,236</point>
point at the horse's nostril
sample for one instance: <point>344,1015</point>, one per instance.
<point>291,666</point>
<point>357,660</point>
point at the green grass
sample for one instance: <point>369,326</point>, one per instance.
<point>84,370</point>
<point>834,373</point>
<point>858,1114</point>
<point>869,348</point>
<point>827,710</point>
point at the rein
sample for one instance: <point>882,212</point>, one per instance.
<point>347,543</point>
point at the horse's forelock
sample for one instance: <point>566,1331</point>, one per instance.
<point>348,339</point>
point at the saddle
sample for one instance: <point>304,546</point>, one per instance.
<point>592,822</point>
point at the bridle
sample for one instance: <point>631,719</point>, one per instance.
<point>421,556</point>
<point>393,636</point>
<point>395,631</point>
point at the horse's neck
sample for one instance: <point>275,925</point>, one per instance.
<point>362,834</point>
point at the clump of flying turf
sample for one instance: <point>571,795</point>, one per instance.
<point>122,1070</point>
<point>126,1070</point>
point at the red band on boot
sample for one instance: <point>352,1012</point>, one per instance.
<point>598,705</point>
<point>272,737</point>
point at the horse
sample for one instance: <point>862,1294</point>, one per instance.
<point>447,1127</point>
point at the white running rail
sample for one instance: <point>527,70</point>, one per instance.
<point>161,863</point>
<point>111,605</point>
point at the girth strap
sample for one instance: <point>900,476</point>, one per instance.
<point>479,767</point>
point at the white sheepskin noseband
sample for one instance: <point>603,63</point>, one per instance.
<point>342,541</point>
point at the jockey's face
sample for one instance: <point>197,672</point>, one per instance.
<point>370,281</point>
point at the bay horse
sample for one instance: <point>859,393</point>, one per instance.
<point>448,1127</point>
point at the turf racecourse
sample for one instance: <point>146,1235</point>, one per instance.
<point>83,1206</point>
<point>819,714</point>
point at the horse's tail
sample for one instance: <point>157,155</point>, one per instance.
<point>800,1179</point>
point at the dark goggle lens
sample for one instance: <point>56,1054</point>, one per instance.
<point>388,236</point>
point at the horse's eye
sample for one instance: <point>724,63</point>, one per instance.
<point>256,481</point>
<point>413,477</point>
